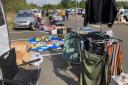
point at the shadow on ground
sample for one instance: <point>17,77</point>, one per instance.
<point>62,70</point>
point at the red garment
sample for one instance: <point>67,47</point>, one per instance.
<point>114,60</point>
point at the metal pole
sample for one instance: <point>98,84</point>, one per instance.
<point>76,13</point>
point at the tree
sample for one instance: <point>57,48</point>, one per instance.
<point>66,3</point>
<point>49,6</point>
<point>81,4</point>
<point>16,5</point>
<point>122,4</point>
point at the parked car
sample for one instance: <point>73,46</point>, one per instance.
<point>126,14</point>
<point>83,13</point>
<point>25,19</point>
<point>72,11</point>
<point>55,13</point>
<point>57,20</point>
<point>79,11</point>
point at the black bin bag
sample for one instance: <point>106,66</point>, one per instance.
<point>13,75</point>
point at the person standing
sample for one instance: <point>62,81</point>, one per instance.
<point>67,14</point>
<point>121,13</point>
<point>120,16</point>
<point>62,13</point>
<point>39,16</point>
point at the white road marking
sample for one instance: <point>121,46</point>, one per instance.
<point>19,40</point>
<point>26,32</point>
<point>52,54</point>
<point>96,26</point>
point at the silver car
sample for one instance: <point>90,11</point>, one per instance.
<point>25,19</point>
<point>126,14</point>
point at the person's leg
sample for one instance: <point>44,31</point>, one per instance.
<point>123,20</point>
<point>63,18</point>
<point>67,16</point>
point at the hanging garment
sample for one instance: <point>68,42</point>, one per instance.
<point>100,11</point>
<point>116,60</point>
<point>92,69</point>
<point>97,48</point>
<point>114,66</point>
<point>95,36</point>
<point>71,50</point>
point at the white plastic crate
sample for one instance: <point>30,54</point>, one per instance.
<point>120,80</point>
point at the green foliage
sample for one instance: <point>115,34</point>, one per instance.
<point>49,6</point>
<point>59,6</point>
<point>65,4</point>
<point>81,4</point>
<point>122,4</point>
<point>16,5</point>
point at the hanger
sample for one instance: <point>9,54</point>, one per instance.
<point>111,40</point>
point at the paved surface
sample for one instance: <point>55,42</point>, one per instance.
<point>55,71</point>
<point>74,22</point>
<point>54,68</point>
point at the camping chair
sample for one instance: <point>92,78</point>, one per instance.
<point>14,75</point>
<point>22,53</point>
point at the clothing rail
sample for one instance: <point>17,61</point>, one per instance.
<point>111,40</point>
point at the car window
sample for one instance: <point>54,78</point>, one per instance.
<point>58,21</point>
<point>24,15</point>
<point>2,22</point>
<point>126,11</point>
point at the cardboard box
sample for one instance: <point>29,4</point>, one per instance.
<point>54,31</point>
<point>22,53</point>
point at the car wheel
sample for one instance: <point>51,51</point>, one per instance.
<point>32,27</point>
<point>14,28</point>
<point>125,18</point>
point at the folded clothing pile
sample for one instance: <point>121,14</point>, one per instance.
<point>45,43</point>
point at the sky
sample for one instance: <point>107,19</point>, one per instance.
<point>42,2</point>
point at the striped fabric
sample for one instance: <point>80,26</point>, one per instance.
<point>114,60</point>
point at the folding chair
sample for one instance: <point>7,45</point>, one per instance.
<point>14,75</point>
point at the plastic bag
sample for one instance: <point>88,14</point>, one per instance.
<point>36,55</point>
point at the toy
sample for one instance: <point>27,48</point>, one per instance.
<point>37,39</point>
<point>45,42</point>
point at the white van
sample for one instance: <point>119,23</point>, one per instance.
<point>4,37</point>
